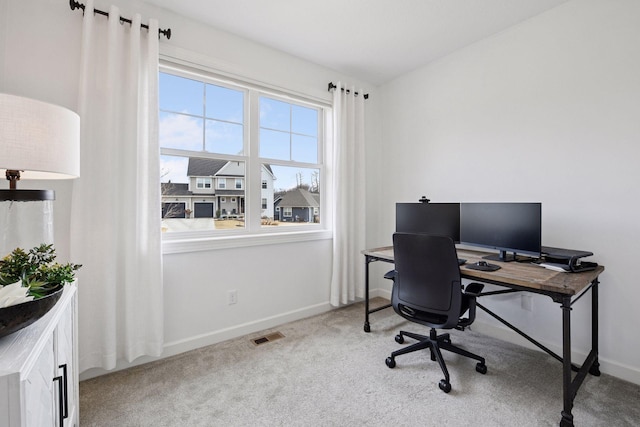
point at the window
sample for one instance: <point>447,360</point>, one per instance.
<point>202,183</point>
<point>211,146</point>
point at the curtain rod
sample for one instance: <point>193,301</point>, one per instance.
<point>332,86</point>
<point>77,5</point>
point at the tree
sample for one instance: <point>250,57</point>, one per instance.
<point>315,182</point>
<point>173,210</point>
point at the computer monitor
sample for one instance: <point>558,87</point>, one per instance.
<point>440,219</point>
<point>507,227</point>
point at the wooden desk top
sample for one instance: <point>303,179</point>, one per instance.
<point>520,274</point>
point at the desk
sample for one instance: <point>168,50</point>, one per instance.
<point>563,288</point>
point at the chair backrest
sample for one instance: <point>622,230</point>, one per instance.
<point>427,285</point>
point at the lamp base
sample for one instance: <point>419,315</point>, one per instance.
<point>26,219</point>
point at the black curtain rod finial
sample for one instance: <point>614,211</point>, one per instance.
<point>166,33</point>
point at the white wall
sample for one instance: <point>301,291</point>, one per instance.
<point>39,43</point>
<point>546,111</point>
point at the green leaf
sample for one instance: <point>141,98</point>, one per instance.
<point>36,270</point>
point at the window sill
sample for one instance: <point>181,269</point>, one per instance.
<point>177,246</point>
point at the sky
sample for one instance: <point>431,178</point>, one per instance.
<point>198,116</point>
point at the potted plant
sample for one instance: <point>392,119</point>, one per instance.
<point>30,285</point>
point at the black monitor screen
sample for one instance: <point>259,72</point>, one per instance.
<point>440,219</point>
<point>508,227</point>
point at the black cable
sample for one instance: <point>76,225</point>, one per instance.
<point>77,5</point>
<point>332,86</point>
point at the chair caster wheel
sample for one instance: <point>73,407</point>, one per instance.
<point>367,328</point>
<point>399,339</point>
<point>445,386</point>
<point>391,362</point>
<point>481,368</point>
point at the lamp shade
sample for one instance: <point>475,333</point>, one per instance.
<point>40,140</point>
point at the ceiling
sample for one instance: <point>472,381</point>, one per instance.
<point>372,40</point>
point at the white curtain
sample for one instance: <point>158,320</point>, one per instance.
<point>347,281</point>
<point>115,213</point>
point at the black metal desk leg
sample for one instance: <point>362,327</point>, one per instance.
<point>567,394</point>
<point>595,368</point>
<point>367,261</point>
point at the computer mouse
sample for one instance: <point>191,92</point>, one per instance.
<point>482,264</point>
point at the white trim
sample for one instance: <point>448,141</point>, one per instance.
<point>197,244</point>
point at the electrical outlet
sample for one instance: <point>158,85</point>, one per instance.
<point>526,302</point>
<point>232,297</point>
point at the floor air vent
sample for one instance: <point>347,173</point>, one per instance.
<point>267,338</point>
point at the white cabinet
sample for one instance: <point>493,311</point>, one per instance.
<point>38,370</point>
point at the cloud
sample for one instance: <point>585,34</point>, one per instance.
<point>181,131</point>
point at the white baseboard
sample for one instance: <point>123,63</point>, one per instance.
<point>383,293</point>
<point>607,366</point>
<point>176,347</point>
<point>191,343</point>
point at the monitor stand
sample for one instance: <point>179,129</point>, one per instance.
<point>503,256</point>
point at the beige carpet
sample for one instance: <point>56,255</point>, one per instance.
<point>327,372</point>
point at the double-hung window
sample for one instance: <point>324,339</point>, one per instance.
<point>237,156</point>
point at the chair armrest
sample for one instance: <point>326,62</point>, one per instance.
<point>391,275</point>
<point>474,289</point>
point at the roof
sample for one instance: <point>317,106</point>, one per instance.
<point>300,198</point>
<point>174,189</point>
<point>204,167</point>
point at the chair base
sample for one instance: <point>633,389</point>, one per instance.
<point>435,343</point>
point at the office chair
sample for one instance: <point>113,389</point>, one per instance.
<point>427,289</point>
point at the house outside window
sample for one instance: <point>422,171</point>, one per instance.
<point>206,131</point>
<point>287,212</point>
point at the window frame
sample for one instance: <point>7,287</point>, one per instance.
<point>253,233</point>
<point>204,181</point>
